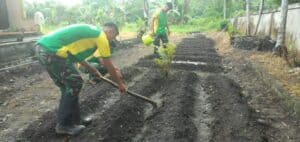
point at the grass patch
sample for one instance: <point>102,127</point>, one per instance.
<point>130,27</point>
<point>196,24</point>
<point>199,24</point>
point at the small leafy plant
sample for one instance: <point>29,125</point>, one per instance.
<point>166,55</point>
<point>232,30</point>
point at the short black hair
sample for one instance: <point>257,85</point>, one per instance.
<point>169,5</point>
<point>113,25</point>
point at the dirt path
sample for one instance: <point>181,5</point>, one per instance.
<point>206,98</point>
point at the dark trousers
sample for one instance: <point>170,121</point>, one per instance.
<point>163,37</point>
<point>67,78</point>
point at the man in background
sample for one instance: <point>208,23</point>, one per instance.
<point>160,28</point>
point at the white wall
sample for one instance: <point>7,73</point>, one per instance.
<point>270,22</point>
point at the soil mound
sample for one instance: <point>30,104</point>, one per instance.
<point>253,43</point>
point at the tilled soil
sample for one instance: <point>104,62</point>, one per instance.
<point>200,102</point>
<point>27,92</point>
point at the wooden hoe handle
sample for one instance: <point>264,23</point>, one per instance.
<point>153,103</point>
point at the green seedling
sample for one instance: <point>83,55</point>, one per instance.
<point>166,55</point>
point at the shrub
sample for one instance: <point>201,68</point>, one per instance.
<point>166,57</point>
<point>232,30</point>
<point>224,24</point>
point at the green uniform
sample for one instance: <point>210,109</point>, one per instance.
<point>77,42</point>
<point>59,51</point>
<point>160,27</point>
<point>95,63</point>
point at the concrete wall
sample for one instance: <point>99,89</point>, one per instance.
<point>11,52</point>
<point>270,22</point>
<point>4,24</point>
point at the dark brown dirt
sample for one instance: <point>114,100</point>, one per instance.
<point>253,43</point>
<point>10,77</point>
<point>27,92</point>
<point>234,119</point>
<point>201,103</point>
<point>266,99</point>
<point>126,119</point>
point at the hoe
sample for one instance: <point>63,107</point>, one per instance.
<point>152,102</point>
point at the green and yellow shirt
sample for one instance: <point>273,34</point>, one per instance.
<point>160,22</point>
<point>77,42</point>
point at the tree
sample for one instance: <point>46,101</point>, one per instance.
<point>224,9</point>
<point>186,9</point>
<point>248,16</point>
<point>260,14</point>
<point>182,7</point>
<point>146,12</point>
<point>280,48</point>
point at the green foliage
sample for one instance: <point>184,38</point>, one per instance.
<point>232,30</point>
<point>166,57</point>
<point>129,27</point>
<point>224,24</point>
<point>208,24</point>
<point>133,26</point>
<point>290,1</point>
<point>94,12</point>
<point>139,22</point>
<point>239,13</point>
<point>198,15</point>
<point>49,28</point>
<point>214,8</point>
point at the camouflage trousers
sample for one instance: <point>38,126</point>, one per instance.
<point>66,77</point>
